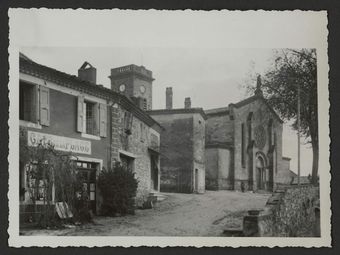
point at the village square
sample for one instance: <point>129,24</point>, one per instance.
<point>102,161</point>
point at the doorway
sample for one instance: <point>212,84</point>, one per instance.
<point>87,171</point>
<point>196,180</point>
<point>154,172</point>
<point>260,173</point>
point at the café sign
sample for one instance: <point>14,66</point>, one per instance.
<point>60,143</point>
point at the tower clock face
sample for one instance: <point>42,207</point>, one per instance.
<point>142,89</point>
<point>122,88</point>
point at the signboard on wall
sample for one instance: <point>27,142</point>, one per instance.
<point>60,143</point>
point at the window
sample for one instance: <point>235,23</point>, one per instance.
<point>91,117</point>
<point>128,118</point>
<point>271,133</point>
<point>27,102</point>
<point>243,145</point>
<point>127,162</point>
<point>34,103</point>
<point>90,123</point>
<point>249,122</point>
<point>144,104</point>
<point>142,132</point>
<point>37,186</point>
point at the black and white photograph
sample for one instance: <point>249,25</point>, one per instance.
<point>168,128</point>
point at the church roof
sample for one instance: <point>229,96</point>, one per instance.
<point>30,67</point>
<point>226,110</point>
<point>217,111</point>
<point>254,98</point>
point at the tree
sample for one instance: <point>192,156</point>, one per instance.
<point>292,69</point>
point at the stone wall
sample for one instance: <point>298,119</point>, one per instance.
<point>182,151</point>
<point>176,152</point>
<point>137,143</point>
<point>218,169</point>
<point>219,128</point>
<point>292,212</point>
<point>199,153</point>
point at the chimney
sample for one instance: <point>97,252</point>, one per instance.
<point>87,73</point>
<point>187,103</point>
<point>168,98</point>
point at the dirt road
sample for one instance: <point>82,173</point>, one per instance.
<point>179,215</point>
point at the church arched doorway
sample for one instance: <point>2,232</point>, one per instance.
<point>261,173</point>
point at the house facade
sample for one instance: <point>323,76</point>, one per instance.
<point>182,147</point>
<point>95,124</point>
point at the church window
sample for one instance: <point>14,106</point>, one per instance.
<point>270,132</point>
<point>243,145</point>
<point>249,120</point>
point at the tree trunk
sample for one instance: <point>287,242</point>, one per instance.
<point>315,165</point>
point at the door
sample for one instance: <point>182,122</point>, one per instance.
<point>88,174</point>
<point>196,180</point>
<point>154,172</point>
<point>260,173</point>
<point>258,177</point>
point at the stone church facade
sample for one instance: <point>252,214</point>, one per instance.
<point>244,146</point>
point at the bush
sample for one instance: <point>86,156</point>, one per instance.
<point>118,187</point>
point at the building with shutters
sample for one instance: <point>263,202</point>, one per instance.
<point>97,125</point>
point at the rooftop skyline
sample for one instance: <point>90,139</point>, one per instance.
<point>210,77</point>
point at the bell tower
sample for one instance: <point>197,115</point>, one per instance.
<point>135,82</point>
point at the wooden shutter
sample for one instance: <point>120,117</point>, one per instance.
<point>102,120</point>
<point>96,116</point>
<point>44,106</point>
<point>35,105</point>
<point>80,114</point>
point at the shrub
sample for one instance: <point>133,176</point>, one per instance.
<point>118,187</point>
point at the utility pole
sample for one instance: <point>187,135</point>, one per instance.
<point>298,130</point>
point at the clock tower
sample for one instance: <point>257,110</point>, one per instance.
<point>135,82</point>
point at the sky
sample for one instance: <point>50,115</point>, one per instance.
<point>211,77</point>
<point>203,55</point>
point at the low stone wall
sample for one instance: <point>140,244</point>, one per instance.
<point>292,212</point>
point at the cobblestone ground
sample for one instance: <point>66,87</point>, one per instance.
<point>179,215</point>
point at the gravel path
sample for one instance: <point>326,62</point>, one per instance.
<point>179,215</point>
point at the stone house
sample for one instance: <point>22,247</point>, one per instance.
<point>244,146</point>
<point>97,125</point>
<point>182,147</point>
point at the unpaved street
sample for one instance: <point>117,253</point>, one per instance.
<point>179,215</point>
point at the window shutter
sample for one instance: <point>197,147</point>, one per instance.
<point>35,106</point>
<point>80,114</point>
<point>44,106</point>
<point>103,120</point>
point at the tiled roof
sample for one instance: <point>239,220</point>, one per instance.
<point>30,67</point>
